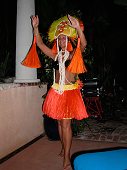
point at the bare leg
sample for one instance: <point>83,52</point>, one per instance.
<point>61,138</point>
<point>67,141</point>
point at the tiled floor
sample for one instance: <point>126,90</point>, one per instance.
<point>43,154</point>
<point>109,130</point>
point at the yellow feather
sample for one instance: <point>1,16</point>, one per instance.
<point>54,31</point>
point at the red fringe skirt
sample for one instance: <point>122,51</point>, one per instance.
<point>67,105</point>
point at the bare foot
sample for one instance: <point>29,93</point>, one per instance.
<point>67,167</point>
<point>67,164</point>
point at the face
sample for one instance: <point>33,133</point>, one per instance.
<point>62,41</point>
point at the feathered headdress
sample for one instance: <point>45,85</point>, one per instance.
<point>61,26</point>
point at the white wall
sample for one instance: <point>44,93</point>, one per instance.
<point>21,118</point>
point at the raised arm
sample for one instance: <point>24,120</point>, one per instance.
<point>45,49</point>
<point>73,22</point>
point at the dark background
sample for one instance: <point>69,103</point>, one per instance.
<point>105,30</point>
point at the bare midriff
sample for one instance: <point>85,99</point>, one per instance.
<point>69,77</point>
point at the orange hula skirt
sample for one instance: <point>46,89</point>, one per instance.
<point>68,105</point>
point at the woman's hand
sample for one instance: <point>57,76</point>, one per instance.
<point>35,21</point>
<point>73,22</point>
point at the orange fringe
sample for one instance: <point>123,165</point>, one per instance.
<point>69,46</point>
<point>32,59</point>
<point>54,48</point>
<point>77,63</point>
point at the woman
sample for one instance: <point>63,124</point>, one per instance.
<point>63,101</point>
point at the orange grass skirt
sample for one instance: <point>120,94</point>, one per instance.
<point>67,105</point>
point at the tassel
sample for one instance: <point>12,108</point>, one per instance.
<point>69,46</point>
<point>54,48</point>
<point>32,59</point>
<point>77,63</point>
